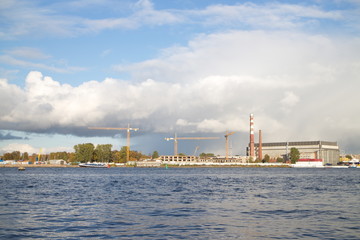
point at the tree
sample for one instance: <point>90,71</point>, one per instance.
<point>135,156</point>
<point>84,152</point>
<point>8,156</point>
<point>294,155</point>
<point>206,155</point>
<point>348,156</point>
<point>155,155</point>
<point>279,159</point>
<point>59,155</point>
<point>102,152</point>
<point>16,155</point>
<point>266,158</point>
<point>123,154</point>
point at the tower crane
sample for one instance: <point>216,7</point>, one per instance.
<point>128,129</point>
<point>175,138</point>
<point>197,148</point>
<point>227,134</point>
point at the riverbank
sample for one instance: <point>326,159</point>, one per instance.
<point>36,166</point>
<point>226,166</point>
<point>161,166</point>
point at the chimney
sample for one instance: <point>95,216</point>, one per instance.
<point>252,152</point>
<point>260,146</point>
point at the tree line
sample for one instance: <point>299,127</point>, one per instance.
<point>86,152</point>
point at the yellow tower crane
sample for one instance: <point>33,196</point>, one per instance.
<point>186,138</point>
<point>227,134</point>
<point>128,129</point>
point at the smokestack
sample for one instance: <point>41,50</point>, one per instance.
<point>260,146</point>
<point>252,152</point>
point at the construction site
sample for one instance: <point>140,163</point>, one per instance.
<point>275,152</point>
<point>327,151</point>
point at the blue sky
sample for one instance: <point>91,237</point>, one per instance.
<point>197,68</point>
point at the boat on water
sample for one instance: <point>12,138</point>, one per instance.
<point>353,165</point>
<point>94,165</point>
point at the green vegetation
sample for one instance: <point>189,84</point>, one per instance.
<point>294,155</point>
<point>207,155</point>
<point>85,152</point>
<point>15,155</point>
<point>155,155</point>
<point>266,159</point>
<point>102,153</point>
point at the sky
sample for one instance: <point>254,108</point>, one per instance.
<point>194,68</point>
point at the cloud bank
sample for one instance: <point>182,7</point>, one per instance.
<point>299,86</point>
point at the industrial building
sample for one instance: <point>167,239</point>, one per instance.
<point>327,151</point>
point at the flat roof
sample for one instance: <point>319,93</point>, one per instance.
<point>297,143</point>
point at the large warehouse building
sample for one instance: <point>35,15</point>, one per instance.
<point>327,151</point>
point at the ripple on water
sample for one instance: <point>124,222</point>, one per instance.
<point>191,203</point>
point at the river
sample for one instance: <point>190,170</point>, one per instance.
<point>179,203</point>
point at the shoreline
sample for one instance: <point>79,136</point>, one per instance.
<point>32,166</point>
<point>162,166</point>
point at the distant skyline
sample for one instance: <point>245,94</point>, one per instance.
<point>195,68</point>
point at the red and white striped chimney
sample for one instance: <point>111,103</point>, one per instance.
<point>252,147</point>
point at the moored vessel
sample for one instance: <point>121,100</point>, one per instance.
<point>94,165</point>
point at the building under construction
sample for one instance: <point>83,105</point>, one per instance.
<point>327,151</point>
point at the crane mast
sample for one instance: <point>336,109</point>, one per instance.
<point>128,129</point>
<point>227,134</point>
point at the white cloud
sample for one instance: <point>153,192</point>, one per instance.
<point>25,18</point>
<point>27,52</point>
<point>209,86</point>
<point>289,100</point>
<point>24,147</point>
<point>270,15</point>
<point>19,147</point>
<point>10,60</point>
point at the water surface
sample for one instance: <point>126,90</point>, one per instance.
<point>179,203</point>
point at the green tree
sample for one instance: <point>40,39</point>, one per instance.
<point>279,160</point>
<point>102,152</point>
<point>206,155</point>
<point>294,155</point>
<point>266,158</point>
<point>115,156</point>
<point>84,152</point>
<point>122,154</point>
<point>59,155</point>
<point>348,156</point>
<point>26,156</point>
<point>155,155</point>
<point>135,156</point>
<point>16,155</point>
<point>8,156</point>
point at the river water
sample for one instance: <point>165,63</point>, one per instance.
<point>179,203</point>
